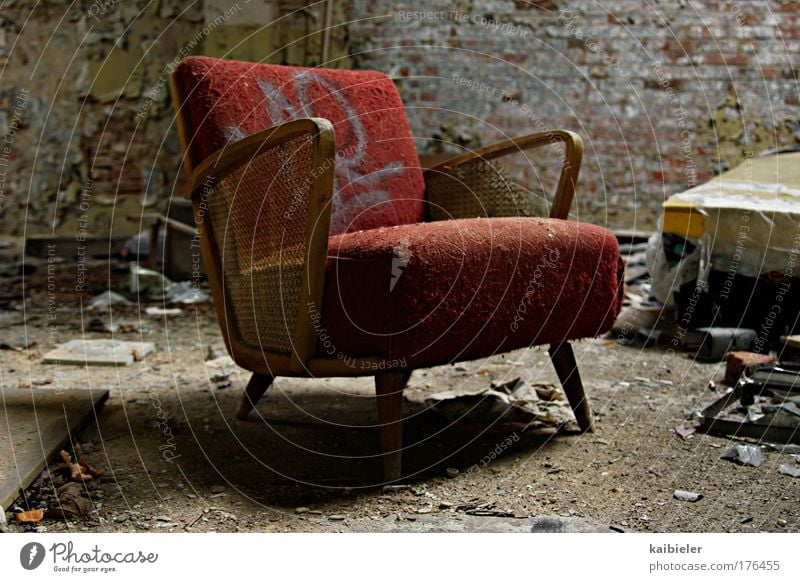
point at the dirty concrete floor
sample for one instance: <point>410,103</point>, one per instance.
<point>177,460</point>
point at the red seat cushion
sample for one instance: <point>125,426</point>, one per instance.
<point>378,181</point>
<point>426,294</point>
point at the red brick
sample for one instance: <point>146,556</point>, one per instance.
<point>738,363</point>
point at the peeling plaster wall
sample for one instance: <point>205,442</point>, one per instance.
<point>85,117</point>
<point>664,93</point>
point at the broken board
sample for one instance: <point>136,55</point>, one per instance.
<point>103,352</point>
<point>34,425</point>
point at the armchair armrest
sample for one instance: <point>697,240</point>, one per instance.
<point>262,206</point>
<point>462,172</point>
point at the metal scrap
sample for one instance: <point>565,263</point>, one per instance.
<point>791,470</point>
<point>744,455</point>
<point>763,407</point>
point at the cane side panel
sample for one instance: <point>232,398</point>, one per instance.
<point>478,188</point>
<point>259,219</point>
<point>472,185</point>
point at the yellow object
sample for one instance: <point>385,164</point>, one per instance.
<point>747,219</point>
<point>682,218</point>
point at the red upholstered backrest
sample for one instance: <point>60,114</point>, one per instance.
<point>378,181</point>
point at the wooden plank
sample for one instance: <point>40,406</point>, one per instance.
<point>792,341</point>
<point>34,425</point>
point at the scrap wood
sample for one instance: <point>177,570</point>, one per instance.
<point>80,470</point>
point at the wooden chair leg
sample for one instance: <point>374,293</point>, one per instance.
<point>389,391</point>
<point>256,387</point>
<point>567,370</point>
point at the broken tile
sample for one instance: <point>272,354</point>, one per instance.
<point>102,352</point>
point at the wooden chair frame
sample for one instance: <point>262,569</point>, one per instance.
<point>305,361</point>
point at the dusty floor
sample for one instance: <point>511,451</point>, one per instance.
<point>177,460</point>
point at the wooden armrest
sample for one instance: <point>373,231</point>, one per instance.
<point>569,171</point>
<point>230,158</point>
<point>262,206</point>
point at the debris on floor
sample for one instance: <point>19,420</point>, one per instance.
<point>685,431</point>
<point>100,325</point>
<point>785,415</point>
<point>163,312</point>
<point>763,407</point>
<point>744,455</point>
<point>108,299</point>
<point>17,344</point>
<point>55,415</point>
<point>715,342</point>
<point>689,496</point>
<point>791,470</point>
<point>32,517</point>
<point>220,370</point>
<point>481,508</point>
<point>154,286</point>
<point>70,503</point>
<point>137,247</point>
<point>100,352</point>
<point>79,469</point>
<point>146,283</point>
<point>506,406</point>
<point>186,293</point>
<point>738,364</point>
<point>222,362</point>
<point>786,449</point>
<point>213,353</point>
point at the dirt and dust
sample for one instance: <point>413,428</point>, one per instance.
<point>175,459</point>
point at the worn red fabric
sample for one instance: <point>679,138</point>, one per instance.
<point>427,294</point>
<point>378,181</point>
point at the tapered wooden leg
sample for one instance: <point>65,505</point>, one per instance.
<point>256,387</point>
<point>389,391</point>
<point>567,370</point>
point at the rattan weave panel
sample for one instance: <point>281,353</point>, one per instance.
<point>478,188</point>
<point>259,219</point>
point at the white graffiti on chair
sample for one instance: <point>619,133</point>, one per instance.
<point>401,255</point>
<point>347,170</point>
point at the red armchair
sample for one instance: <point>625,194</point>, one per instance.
<point>330,252</point>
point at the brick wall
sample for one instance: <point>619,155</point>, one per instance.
<point>665,94</point>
